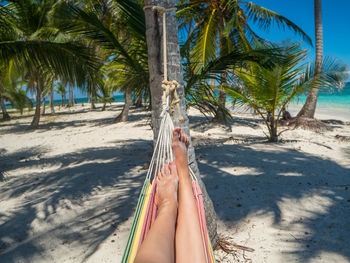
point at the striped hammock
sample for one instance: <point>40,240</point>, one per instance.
<point>146,210</point>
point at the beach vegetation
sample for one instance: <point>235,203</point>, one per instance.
<point>117,29</point>
<point>31,40</point>
<point>269,90</point>
<point>217,27</point>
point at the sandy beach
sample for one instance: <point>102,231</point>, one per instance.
<point>69,189</point>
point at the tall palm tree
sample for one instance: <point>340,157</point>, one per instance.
<point>28,37</point>
<point>216,27</point>
<point>309,108</point>
<point>174,73</point>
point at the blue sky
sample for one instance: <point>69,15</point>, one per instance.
<point>335,18</point>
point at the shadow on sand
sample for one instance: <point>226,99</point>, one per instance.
<point>280,175</point>
<point>79,202</point>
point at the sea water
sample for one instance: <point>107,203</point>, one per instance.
<point>334,104</point>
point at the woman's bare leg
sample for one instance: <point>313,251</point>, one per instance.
<point>188,238</point>
<point>159,246</point>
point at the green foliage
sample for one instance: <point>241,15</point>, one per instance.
<point>19,100</point>
<point>269,90</point>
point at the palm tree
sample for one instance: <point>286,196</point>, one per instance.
<point>175,73</point>
<point>27,37</point>
<point>107,25</point>
<point>3,72</point>
<point>268,91</point>
<point>216,27</point>
<point>61,89</point>
<point>309,108</point>
<point>52,105</point>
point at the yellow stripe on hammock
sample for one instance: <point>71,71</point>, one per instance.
<point>211,252</point>
<point>140,225</point>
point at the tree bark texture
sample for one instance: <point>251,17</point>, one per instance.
<point>36,118</point>
<point>309,108</point>
<point>154,43</point>
<point>5,115</point>
<point>123,116</point>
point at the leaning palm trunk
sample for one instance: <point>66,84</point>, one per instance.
<point>5,115</point>
<point>44,105</point>
<point>36,118</point>
<point>52,105</point>
<point>309,108</point>
<point>123,116</point>
<point>71,96</point>
<point>139,101</point>
<point>153,22</point>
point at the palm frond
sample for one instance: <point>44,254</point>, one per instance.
<point>264,18</point>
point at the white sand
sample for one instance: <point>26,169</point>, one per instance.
<point>71,187</point>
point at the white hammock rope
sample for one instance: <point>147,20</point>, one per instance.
<point>163,153</point>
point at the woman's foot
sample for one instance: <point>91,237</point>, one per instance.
<point>167,185</point>
<point>180,143</point>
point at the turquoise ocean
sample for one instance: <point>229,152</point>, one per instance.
<point>337,100</point>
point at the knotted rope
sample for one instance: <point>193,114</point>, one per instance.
<point>169,87</point>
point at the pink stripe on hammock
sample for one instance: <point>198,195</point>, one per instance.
<point>147,220</point>
<point>201,213</point>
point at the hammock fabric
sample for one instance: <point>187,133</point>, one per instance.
<point>146,209</point>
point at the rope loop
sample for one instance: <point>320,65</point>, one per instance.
<point>169,87</point>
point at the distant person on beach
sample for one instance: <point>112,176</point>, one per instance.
<point>176,232</point>
<point>286,117</point>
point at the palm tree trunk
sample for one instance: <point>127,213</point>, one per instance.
<point>123,116</point>
<point>52,105</point>
<point>309,108</point>
<point>71,96</point>
<point>36,118</point>
<point>139,101</point>
<point>273,130</point>
<point>104,106</point>
<point>44,105</point>
<point>5,115</point>
<point>153,22</point>
<point>93,106</point>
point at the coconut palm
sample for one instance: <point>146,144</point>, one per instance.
<point>309,108</point>
<point>3,73</point>
<point>268,91</point>
<point>118,29</point>
<point>216,27</point>
<point>61,89</point>
<point>28,37</point>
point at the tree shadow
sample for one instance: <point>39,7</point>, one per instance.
<point>56,124</point>
<point>200,123</point>
<point>275,176</point>
<point>78,202</point>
